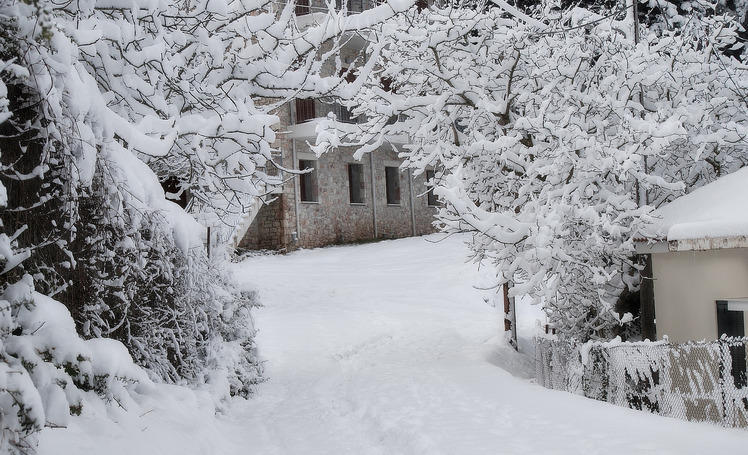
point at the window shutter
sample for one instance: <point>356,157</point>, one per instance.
<point>304,109</point>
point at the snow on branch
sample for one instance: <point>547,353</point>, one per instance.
<point>552,148</point>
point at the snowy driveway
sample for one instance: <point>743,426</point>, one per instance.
<point>388,348</point>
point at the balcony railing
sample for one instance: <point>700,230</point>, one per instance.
<point>352,6</point>
<point>344,114</point>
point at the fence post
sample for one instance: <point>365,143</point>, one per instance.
<point>724,353</point>
<point>510,317</point>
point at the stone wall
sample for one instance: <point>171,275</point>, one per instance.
<point>332,218</point>
<point>267,230</point>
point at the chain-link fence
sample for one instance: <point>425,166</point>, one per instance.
<point>703,382</point>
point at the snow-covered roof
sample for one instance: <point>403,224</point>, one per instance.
<point>711,217</point>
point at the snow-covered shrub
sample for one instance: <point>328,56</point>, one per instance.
<point>133,282</point>
<point>20,401</point>
<point>33,172</point>
<point>43,366</point>
<point>89,220</point>
<point>47,369</point>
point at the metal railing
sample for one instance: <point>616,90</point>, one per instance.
<point>304,7</point>
<point>344,114</point>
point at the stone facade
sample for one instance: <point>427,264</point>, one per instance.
<point>286,221</point>
<point>332,218</point>
<point>267,230</point>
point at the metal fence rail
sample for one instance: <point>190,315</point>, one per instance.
<point>702,382</point>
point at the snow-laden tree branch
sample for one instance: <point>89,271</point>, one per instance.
<point>551,148</point>
<point>191,86</point>
<point>98,102</point>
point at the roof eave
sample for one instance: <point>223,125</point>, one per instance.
<point>708,243</point>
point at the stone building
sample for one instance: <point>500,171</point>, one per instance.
<point>341,199</point>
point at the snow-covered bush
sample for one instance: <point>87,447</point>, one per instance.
<point>44,366</point>
<point>133,282</point>
<point>551,142</point>
<point>47,370</point>
<point>88,219</point>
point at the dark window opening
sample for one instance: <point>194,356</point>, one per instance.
<point>432,199</point>
<point>353,6</point>
<point>392,182</point>
<point>343,113</point>
<point>396,118</point>
<point>304,109</point>
<point>308,181</point>
<point>356,183</point>
<point>302,7</point>
<point>732,324</point>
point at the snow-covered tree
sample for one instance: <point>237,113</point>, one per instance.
<point>44,366</point>
<point>99,102</point>
<point>196,82</point>
<point>552,140</point>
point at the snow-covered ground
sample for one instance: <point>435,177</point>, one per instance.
<point>385,348</point>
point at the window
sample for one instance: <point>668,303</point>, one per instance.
<point>308,181</point>
<point>732,324</point>
<point>302,7</point>
<point>392,182</point>
<point>353,6</point>
<point>304,109</point>
<point>432,199</point>
<point>356,183</point>
<point>342,113</point>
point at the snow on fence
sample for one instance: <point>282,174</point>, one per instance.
<point>704,382</point>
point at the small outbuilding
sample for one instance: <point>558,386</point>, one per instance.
<point>698,247</point>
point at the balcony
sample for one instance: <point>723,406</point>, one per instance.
<point>316,12</point>
<point>344,114</point>
<point>304,7</point>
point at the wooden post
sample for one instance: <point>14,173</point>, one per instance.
<point>510,317</point>
<point>208,242</point>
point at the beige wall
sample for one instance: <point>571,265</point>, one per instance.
<point>687,286</point>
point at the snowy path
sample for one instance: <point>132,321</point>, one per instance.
<point>388,349</point>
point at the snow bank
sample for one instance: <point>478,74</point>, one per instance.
<point>391,348</point>
<point>84,390</point>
